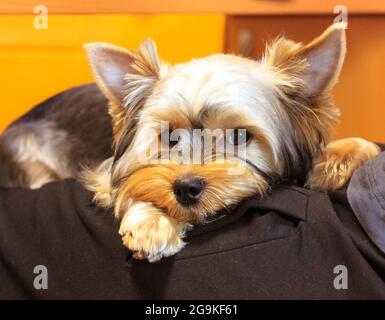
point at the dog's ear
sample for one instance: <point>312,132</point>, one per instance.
<point>317,64</point>
<point>124,76</point>
<point>325,56</point>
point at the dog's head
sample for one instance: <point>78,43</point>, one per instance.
<point>263,120</point>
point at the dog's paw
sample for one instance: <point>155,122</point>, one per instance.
<point>150,233</point>
<point>333,168</point>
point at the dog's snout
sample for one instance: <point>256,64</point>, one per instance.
<point>188,190</point>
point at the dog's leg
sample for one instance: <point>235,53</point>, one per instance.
<point>151,233</point>
<point>35,153</point>
<point>335,165</point>
<point>36,174</point>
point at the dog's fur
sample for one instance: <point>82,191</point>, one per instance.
<point>284,101</point>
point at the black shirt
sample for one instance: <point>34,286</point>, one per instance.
<point>285,246</point>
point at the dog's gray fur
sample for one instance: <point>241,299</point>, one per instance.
<point>56,138</point>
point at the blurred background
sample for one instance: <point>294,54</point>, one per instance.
<point>37,63</point>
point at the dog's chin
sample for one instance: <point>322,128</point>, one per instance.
<point>154,184</point>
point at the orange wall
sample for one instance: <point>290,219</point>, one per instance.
<point>35,64</point>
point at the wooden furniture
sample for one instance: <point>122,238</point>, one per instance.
<point>192,6</point>
<point>360,93</point>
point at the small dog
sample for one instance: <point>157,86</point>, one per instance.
<point>274,117</point>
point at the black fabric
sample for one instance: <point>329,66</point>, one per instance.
<point>366,194</point>
<point>285,246</point>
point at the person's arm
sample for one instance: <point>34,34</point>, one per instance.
<point>366,194</point>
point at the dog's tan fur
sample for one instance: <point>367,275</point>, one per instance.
<point>284,101</point>
<point>334,167</point>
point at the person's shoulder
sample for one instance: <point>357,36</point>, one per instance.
<point>49,190</point>
<point>55,198</point>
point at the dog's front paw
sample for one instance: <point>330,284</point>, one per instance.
<point>333,168</point>
<point>150,233</point>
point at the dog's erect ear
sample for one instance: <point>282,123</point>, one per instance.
<point>325,56</point>
<point>124,76</point>
<point>317,64</point>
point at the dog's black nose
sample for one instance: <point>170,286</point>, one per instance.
<point>188,190</point>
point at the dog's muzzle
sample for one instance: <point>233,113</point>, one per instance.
<point>188,191</point>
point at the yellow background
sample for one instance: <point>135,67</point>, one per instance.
<point>35,64</point>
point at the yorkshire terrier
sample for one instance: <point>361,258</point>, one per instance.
<point>273,118</point>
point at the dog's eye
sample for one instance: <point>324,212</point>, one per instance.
<point>239,137</point>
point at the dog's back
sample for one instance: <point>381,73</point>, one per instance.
<point>56,138</point>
